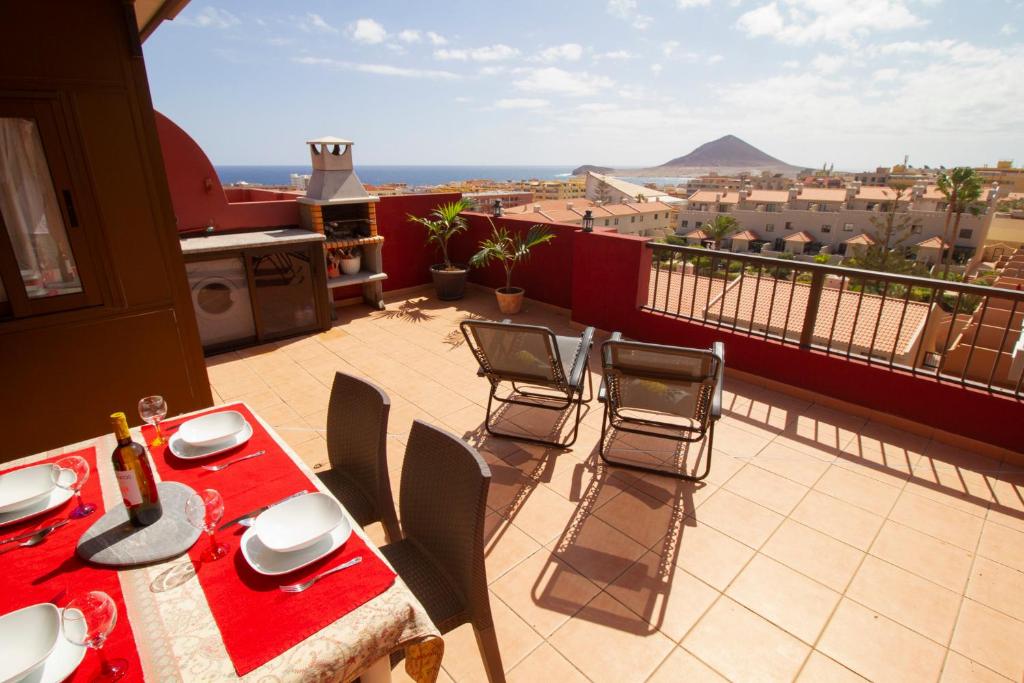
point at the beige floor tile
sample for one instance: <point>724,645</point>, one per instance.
<point>596,645</point>
<point>739,443</point>
<point>784,597</point>
<point>1002,544</point>
<point>938,520</point>
<point>710,555</point>
<point>794,465</point>
<point>944,563</point>
<point>597,550</point>
<point>856,489</point>
<point>814,554</point>
<point>836,518</point>
<point>515,640</point>
<point>506,546</point>
<point>821,669</point>
<point>544,591</point>
<point>644,519</point>
<point>959,669</point>
<point>997,586</point>
<point>544,514</point>
<point>878,648</point>
<point>545,664</point>
<point>906,598</point>
<point>765,488</point>
<point>738,517</point>
<point>743,646</point>
<point>683,666</point>
<point>990,638</point>
<point>666,597</point>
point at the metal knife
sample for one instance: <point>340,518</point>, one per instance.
<point>26,534</point>
<point>257,511</point>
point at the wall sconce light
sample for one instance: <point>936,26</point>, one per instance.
<point>497,208</point>
<point>588,221</point>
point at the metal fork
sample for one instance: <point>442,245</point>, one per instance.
<point>299,587</point>
<point>35,539</point>
<point>229,463</point>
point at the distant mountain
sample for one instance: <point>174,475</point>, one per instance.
<point>589,168</point>
<point>727,154</point>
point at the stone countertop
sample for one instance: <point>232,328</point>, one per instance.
<point>248,240</point>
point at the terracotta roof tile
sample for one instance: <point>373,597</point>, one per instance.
<point>934,242</point>
<point>746,235</point>
<point>862,238</point>
<point>802,236</point>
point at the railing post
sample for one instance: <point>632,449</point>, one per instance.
<point>811,314</point>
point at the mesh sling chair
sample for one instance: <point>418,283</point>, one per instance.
<point>531,357</point>
<point>443,502</point>
<point>357,430</point>
<point>669,392</point>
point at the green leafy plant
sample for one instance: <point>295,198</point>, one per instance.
<point>509,248</point>
<point>821,258</point>
<point>720,227</point>
<point>442,224</point>
<point>962,189</point>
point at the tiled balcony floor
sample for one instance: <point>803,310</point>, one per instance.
<point>823,547</point>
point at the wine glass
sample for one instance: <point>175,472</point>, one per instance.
<point>152,410</point>
<point>204,511</point>
<point>71,473</point>
<point>88,620</point>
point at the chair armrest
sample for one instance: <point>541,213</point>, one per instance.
<point>616,336</point>
<point>602,392</point>
<point>718,349</point>
<point>579,363</point>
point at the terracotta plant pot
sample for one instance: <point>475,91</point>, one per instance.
<point>350,266</point>
<point>510,301</point>
<point>449,284</point>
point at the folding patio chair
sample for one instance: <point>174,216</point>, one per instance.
<point>668,392</point>
<point>545,370</point>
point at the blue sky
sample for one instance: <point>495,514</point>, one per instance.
<point>857,83</point>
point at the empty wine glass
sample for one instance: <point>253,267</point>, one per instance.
<point>204,511</point>
<point>71,473</point>
<point>88,620</point>
<point>153,409</point>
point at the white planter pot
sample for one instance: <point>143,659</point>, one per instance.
<point>350,266</point>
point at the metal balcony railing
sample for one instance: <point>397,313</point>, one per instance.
<point>951,331</point>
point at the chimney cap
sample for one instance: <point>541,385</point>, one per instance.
<point>329,140</point>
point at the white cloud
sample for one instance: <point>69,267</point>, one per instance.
<point>211,17</point>
<point>799,22</point>
<point>887,74</point>
<point>463,99</point>
<point>367,31</point>
<point>791,64</point>
<point>521,103</point>
<point>628,11</point>
<point>436,38</point>
<point>715,59</point>
<point>314,23</point>
<point>669,47</point>
<point>656,69</point>
<point>615,54</point>
<point>491,70</point>
<point>1007,29</point>
<point>489,53</point>
<point>828,64</point>
<point>410,35</point>
<point>569,52</point>
<point>555,80</point>
<point>380,69</point>
<point>687,4</point>
<point>956,51</point>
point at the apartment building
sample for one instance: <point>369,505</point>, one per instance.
<point>813,220</point>
<point>1004,175</point>
<point>646,219</point>
<point>542,190</point>
<point>609,190</point>
<point>713,181</point>
<point>484,201</point>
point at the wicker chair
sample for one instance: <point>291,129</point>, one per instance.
<point>357,428</point>
<point>668,392</point>
<point>532,357</point>
<point>443,503</point>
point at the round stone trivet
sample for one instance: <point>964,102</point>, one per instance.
<point>112,540</point>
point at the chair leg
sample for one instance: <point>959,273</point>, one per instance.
<point>487,641</point>
<point>528,439</point>
<point>605,422</point>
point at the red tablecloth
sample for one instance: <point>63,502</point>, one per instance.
<point>257,621</point>
<point>51,572</point>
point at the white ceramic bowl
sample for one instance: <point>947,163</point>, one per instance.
<point>27,637</point>
<point>213,428</point>
<point>24,487</point>
<point>298,523</point>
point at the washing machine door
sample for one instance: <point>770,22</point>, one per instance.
<point>220,297</point>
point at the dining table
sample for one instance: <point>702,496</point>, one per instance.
<point>223,621</point>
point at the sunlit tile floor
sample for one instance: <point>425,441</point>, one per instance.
<point>823,546</point>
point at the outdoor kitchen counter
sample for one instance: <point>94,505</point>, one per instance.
<point>248,240</point>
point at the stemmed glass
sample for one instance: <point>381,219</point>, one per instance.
<point>152,410</point>
<point>71,473</point>
<point>88,620</point>
<point>204,511</point>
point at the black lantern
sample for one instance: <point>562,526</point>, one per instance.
<point>588,221</point>
<point>497,208</point>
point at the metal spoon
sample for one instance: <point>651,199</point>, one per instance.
<point>35,539</point>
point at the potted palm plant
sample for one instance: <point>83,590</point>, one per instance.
<point>509,249</point>
<point>442,224</point>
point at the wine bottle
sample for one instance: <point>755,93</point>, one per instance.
<point>134,476</point>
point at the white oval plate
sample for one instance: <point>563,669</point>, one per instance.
<point>62,662</point>
<point>181,449</point>
<point>22,488</point>
<point>265,561</point>
<point>212,429</point>
<point>57,497</point>
<point>27,637</point>
<point>298,523</point>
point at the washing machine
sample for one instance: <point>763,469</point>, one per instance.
<point>220,297</point>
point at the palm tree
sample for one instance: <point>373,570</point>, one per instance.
<point>962,188</point>
<point>444,223</point>
<point>720,227</point>
<point>509,249</point>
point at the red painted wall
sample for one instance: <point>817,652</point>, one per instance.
<point>609,297</point>
<point>199,199</point>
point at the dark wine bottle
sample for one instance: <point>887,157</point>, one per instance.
<point>134,475</point>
